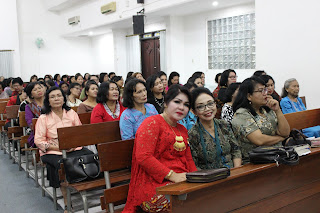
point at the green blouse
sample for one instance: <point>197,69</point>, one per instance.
<point>229,146</point>
<point>244,123</point>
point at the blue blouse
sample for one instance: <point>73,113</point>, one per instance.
<point>188,121</point>
<point>131,119</point>
<point>289,106</point>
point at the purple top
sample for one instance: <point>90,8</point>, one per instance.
<point>29,116</point>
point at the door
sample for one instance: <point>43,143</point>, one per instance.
<point>150,57</point>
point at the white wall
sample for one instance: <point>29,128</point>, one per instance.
<point>196,50</point>
<point>58,55</point>
<point>103,53</point>
<point>288,43</point>
<point>9,38</point>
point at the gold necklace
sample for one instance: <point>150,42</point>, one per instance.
<point>179,145</point>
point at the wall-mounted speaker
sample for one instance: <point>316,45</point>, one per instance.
<point>140,1</point>
<point>138,24</point>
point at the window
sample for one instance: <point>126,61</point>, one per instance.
<point>231,43</point>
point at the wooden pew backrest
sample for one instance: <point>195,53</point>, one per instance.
<point>303,119</point>
<point>303,99</point>
<point>85,117</point>
<point>88,134</point>
<point>3,105</point>
<point>22,119</point>
<point>12,111</point>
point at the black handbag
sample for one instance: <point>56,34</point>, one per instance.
<point>207,175</point>
<point>295,138</point>
<point>284,155</point>
<point>82,168</point>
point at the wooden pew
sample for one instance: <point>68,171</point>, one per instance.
<point>84,135</point>
<point>3,105</point>
<point>303,119</point>
<point>24,140</point>
<point>253,188</point>
<point>114,156</point>
<point>12,113</point>
<point>75,108</point>
<point>303,99</point>
<point>85,117</point>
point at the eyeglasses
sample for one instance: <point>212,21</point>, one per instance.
<point>262,91</point>
<point>233,77</point>
<point>210,105</point>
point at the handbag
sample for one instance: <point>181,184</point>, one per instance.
<point>207,175</point>
<point>284,155</point>
<point>82,168</point>
<point>296,137</point>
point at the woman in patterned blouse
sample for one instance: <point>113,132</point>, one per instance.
<point>212,141</point>
<point>230,96</point>
<point>258,119</point>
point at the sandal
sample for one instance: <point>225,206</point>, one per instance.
<point>66,208</point>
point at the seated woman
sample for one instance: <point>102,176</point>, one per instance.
<point>119,81</point>
<point>227,77</point>
<point>196,80</point>
<point>190,119</point>
<point>163,77</point>
<point>35,92</point>
<point>135,99</point>
<point>109,107</point>
<point>161,154</point>
<point>91,91</point>
<point>73,95</point>
<point>230,96</point>
<point>57,115</point>
<point>216,90</point>
<point>270,86</point>
<point>65,87</point>
<point>213,144</point>
<point>155,91</point>
<point>3,94</point>
<point>173,79</point>
<point>290,102</point>
<point>258,119</point>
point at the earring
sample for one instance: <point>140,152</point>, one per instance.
<point>250,102</point>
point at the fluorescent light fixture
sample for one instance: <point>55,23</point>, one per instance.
<point>91,33</point>
<point>215,3</point>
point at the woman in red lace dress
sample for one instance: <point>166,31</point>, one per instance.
<point>161,154</point>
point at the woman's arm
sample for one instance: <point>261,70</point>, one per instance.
<point>237,162</point>
<point>283,128</point>
<point>260,139</point>
<point>29,116</point>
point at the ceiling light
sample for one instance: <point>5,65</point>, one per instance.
<point>215,3</point>
<point>90,33</point>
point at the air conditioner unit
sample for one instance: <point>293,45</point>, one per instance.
<point>74,20</point>
<point>109,8</point>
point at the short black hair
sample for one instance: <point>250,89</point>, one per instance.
<point>173,74</point>
<point>72,85</point>
<point>111,73</point>
<point>92,76</point>
<point>50,83</point>
<point>116,78</point>
<point>190,84</point>
<point>41,79</point>
<point>64,76</point>
<point>258,73</point>
<point>128,91</point>
<point>196,93</point>
<point>225,76</point>
<point>266,78</point>
<point>197,74</point>
<point>192,79</point>
<point>230,91</point>
<point>128,79</point>
<point>150,84</point>
<point>2,85</point>
<point>174,91</point>
<point>77,76</point>
<point>62,83</point>
<point>46,104</point>
<point>56,76</point>
<point>217,77</point>
<point>102,76</point>
<point>103,92</point>
<point>17,80</point>
<point>247,87</point>
<point>30,87</point>
<point>161,73</point>
<point>7,82</point>
<point>87,87</point>
<point>129,74</point>
<point>32,77</point>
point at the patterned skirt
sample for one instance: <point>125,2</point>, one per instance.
<point>158,203</point>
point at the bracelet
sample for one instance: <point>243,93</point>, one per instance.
<point>169,174</point>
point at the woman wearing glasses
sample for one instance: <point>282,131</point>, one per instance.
<point>227,77</point>
<point>213,144</point>
<point>258,119</point>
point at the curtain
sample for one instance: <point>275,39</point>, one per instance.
<point>6,63</point>
<point>133,54</point>
<point>163,55</point>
